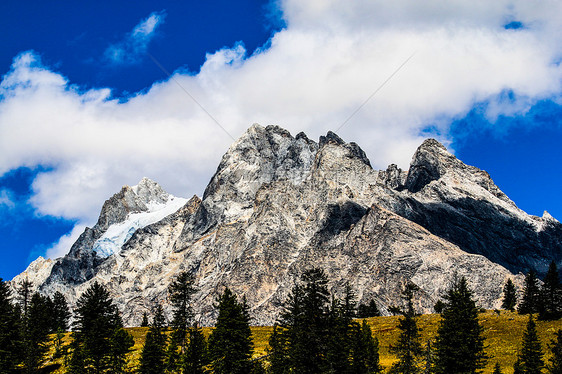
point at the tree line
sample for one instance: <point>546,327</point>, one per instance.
<point>315,333</point>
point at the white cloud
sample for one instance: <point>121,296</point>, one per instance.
<point>316,72</point>
<point>6,200</point>
<point>131,49</point>
<point>61,246</point>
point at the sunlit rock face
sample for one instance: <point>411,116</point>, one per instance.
<point>279,204</point>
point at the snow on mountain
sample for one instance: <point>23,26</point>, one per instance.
<point>117,234</point>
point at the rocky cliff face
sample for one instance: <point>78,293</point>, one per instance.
<point>279,204</point>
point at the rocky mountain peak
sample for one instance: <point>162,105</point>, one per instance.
<point>150,192</point>
<point>429,163</point>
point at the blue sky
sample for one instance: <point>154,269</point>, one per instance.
<point>86,108</point>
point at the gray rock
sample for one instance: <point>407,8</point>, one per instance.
<point>279,204</point>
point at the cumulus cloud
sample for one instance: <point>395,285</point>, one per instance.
<point>61,246</point>
<point>131,49</point>
<point>313,74</point>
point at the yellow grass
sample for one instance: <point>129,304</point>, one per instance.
<point>502,332</point>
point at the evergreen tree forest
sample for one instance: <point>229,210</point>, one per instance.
<point>317,332</point>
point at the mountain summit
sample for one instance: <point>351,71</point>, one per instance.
<point>279,204</point>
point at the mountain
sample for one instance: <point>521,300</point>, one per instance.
<point>279,204</point>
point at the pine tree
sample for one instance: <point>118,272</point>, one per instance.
<point>509,296</point>
<point>409,348</point>
<point>531,295</point>
<point>153,354</point>
<point>180,291</point>
<point>120,344</point>
<point>555,361</point>
<point>230,343</point>
<point>550,306</point>
<point>364,355</point>
<point>10,340</point>
<point>61,312</point>
<point>144,322</point>
<point>531,354</point>
<point>368,310</point>
<point>278,351</point>
<point>339,327</point>
<point>497,369</point>
<point>97,340</point>
<point>36,328</point>
<point>517,369</point>
<point>459,345</point>
<point>196,355</point>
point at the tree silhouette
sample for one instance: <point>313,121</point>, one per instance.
<point>509,300</point>
<point>459,345</point>
<point>530,356</point>
<point>230,343</point>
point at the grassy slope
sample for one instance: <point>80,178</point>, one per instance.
<point>503,335</point>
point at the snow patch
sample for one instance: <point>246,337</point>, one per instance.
<point>118,234</point>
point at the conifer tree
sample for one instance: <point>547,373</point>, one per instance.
<point>339,328</point>
<point>120,344</point>
<point>230,343</point>
<point>509,296</point>
<point>61,312</point>
<point>459,345</point>
<point>531,355</point>
<point>408,348</point>
<point>154,349</point>
<point>368,310</point>
<point>429,355</point>
<point>144,322</point>
<point>531,295</point>
<point>555,347</point>
<point>364,355</point>
<point>10,340</point>
<point>196,355</point>
<point>550,306</point>
<point>97,340</point>
<point>180,291</point>
<point>497,369</point>
<point>36,329</point>
<point>24,290</point>
<point>278,351</point>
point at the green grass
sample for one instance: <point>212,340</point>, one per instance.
<point>502,332</point>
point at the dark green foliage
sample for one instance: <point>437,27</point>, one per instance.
<point>152,360</point>
<point>555,361</point>
<point>439,306</point>
<point>97,341</point>
<point>497,369</point>
<point>180,291</point>
<point>10,342</point>
<point>530,356</point>
<point>144,322</point>
<point>459,345</point>
<point>230,343</point>
<point>408,349</point>
<point>314,335</point>
<point>196,356</point>
<point>531,295</point>
<point>368,310</point>
<point>61,312</point>
<point>120,344</point>
<point>509,300</point>
<point>36,328</point>
<point>550,306</point>
<point>24,295</point>
<point>364,350</point>
<point>278,351</point>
